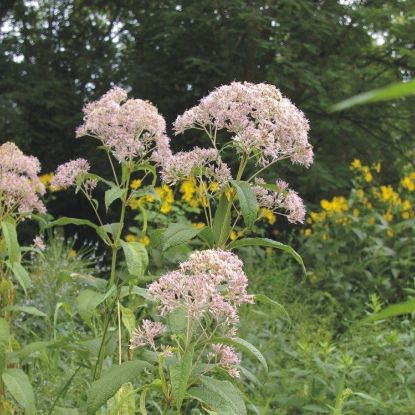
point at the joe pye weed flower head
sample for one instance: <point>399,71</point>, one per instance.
<point>207,289</point>
<point>20,187</point>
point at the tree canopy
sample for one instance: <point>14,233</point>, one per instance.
<point>57,55</point>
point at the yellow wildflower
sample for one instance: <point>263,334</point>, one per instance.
<point>198,225</point>
<point>235,235</point>
<point>269,215</point>
<point>46,178</point>
<point>165,207</point>
<point>389,195</point>
<point>145,240</point>
<point>336,205</point>
<point>368,176</point>
<point>390,232</point>
<point>317,217</point>
<point>230,193</point>
<point>406,215</point>
<point>214,186</point>
<point>408,183</point>
<point>166,197</point>
<point>130,237</point>
<point>360,193</point>
<point>134,203</point>
<point>406,205</point>
<point>356,164</point>
<point>148,198</point>
<point>307,232</point>
<point>135,184</point>
<point>356,213</point>
<point>377,167</point>
<point>71,253</point>
<point>188,189</point>
<point>388,216</point>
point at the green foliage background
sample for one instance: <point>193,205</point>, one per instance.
<point>56,55</point>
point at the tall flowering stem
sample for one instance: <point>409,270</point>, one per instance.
<point>130,131</point>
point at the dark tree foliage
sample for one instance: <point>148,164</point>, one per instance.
<point>55,55</point>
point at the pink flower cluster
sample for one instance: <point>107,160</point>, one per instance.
<point>227,358</point>
<point>282,198</point>
<point>259,118</point>
<point>145,335</point>
<point>129,127</point>
<point>211,283</point>
<point>20,186</point>
<point>39,243</point>
<point>67,174</point>
<point>199,161</point>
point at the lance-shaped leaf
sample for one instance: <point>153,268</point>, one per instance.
<point>10,237</point>
<point>63,221</point>
<point>136,257</point>
<point>179,375</point>
<point>177,234</point>
<point>107,386</point>
<point>21,275</point>
<point>220,396</point>
<point>4,340</point>
<point>268,243</point>
<point>247,202</point>
<point>112,194</point>
<point>88,300</point>
<point>18,385</point>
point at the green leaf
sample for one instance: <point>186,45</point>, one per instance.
<point>18,385</point>
<point>34,347</point>
<point>147,167</point>
<point>392,91</point>
<point>88,300</point>
<point>136,257</point>
<point>177,321</point>
<point>394,310</point>
<point>123,403</point>
<point>12,244</point>
<point>20,274</point>
<point>244,346</point>
<point>247,201</point>
<point>63,221</point>
<point>179,376</point>
<point>111,228</point>
<point>25,309</point>
<point>219,395</point>
<point>106,387</point>
<point>111,195</point>
<point>98,283</point>
<point>128,319</point>
<point>222,221</point>
<point>177,234</point>
<point>135,290</point>
<point>264,299</point>
<point>268,243</point>
<point>4,340</point>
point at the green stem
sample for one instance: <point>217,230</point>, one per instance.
<point>119,333</point>
<point>112,167</point>
<point>114,247</point>
<point>223,238</point>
